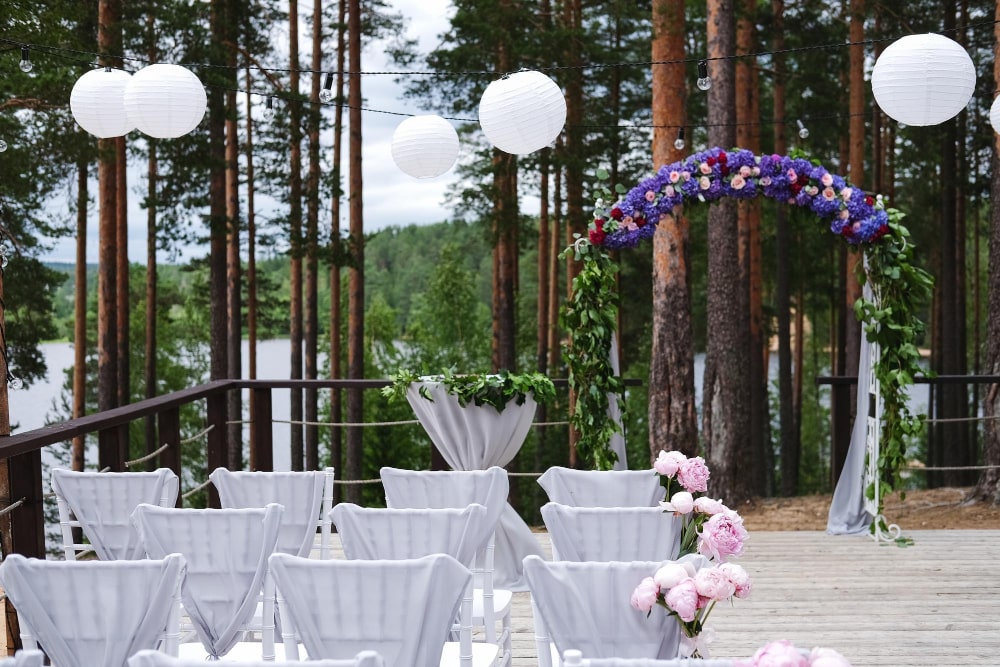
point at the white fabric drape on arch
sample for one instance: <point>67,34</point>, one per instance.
<point>476,438</point>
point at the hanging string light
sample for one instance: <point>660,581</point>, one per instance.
<point>269,109</point>
<point>3,145</point>
<point>803,130</point>
<point>25,63</point>
<point>679,141</point>
<point>326,95</point>
<point>704,81</point>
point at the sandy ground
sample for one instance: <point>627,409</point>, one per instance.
<point>932,509</point>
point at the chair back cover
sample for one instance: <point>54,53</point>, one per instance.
<point>226,552</point>
<point>403,609</point>
<point>300,493</point>
<point>586,606</point>
<point>447,488</point>
<point>602,488</point>
<point>159,659</point>
<point>103,502</point>
<point>24,658</point>
<point>90,613</point>
<point>611,533</point>
<point>372,533</point>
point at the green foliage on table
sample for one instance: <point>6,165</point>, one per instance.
<point>890,320</point>
<point>496,389</point>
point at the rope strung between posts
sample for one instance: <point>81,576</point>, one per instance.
<point>946,420</point>
<point>950,468</point>
<point>407,422</point>
<point>196,489</point>
<point>13,506</point>
<point>151,455</point>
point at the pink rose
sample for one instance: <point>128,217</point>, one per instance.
<point>675,176</point>
<point>713,584</point>
<point>669,190</point>
<point>706,505</point>
<point>846,193</point>
<point>765,181</point>
<point>669,575</point>
<point>650,195</point>
<point>779,653</point>
<point>812,190</point>
<point>686,175</point>
<point>693,475</point>
<point>792,176</point>
<point>681,502</point>
<point>738,182</point>
<point>827,657</point>
<point>683,599</point>
<point>826,179</point>
<point>829,194</point>
<point>705,168</point>
<point>644,595</point>
<point>845,214</point>
<point>704,183</point>
<point>668,463</point>
<point>722,536</point>
<point>745,171</point>
<point>739,578</point>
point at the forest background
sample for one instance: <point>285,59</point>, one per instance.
<point>481,290</point>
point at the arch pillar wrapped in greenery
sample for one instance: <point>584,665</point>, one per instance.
<point>629,217</point>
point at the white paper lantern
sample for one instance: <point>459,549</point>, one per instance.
<point>995,115</point>
<point>523,112</point>
<point>424,146</point>
<point>97,103</point>
<point>923,79</point>
<point>165,101</point>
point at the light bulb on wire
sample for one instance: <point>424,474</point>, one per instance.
<point>3,145</point>
<point>704,82</point>
<point>803,130</point>
<point>269,109</point>
<point>25,63</point>
<point>326,95</point>
<point>679,141</point>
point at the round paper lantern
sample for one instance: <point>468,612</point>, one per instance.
<point>97,103</point>
<point>995,115</point>
<point>165,101</point>
<point>522,112</point>
<point>424,146</point>
<point>923,79</point>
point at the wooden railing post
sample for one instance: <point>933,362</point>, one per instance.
<point>169,425</point>
<point>218,456</point>
<point>261,430</point>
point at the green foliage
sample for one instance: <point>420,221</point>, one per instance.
<point>899,289</point>
<point>496,389</point>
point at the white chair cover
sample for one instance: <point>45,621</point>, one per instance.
<point>575,659</point>
<point>158,659</point>
<point>25,658</point>
<point>402,609</point>
<point>458,488</point>
<point>585,606</point>
<point>602,488</point>
<point>226,552</point>
<point>611,533</point>
<point>476,438</point>
<point>300,493</point>
<point>103,502</point>
<point>91,613</point>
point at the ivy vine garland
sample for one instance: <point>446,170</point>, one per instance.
<point>496,389</point>
<point>889,319</point>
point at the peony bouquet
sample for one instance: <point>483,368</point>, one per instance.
<point>782,653</point>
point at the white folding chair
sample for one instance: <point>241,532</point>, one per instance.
<point>455,489</point>
<point>157,659</point>
<point>90,613</point>
<point>226,551</point>
<point>397,534</point>
<point>602,488</point>
<point>28,658</point>
<point>611,533</point>
<point>573,658</point>
<point>100,503</point>
<point>586,606</point>
<point>401,608</point>
<point>307,497</point>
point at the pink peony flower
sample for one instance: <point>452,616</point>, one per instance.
<point>668,463</point>
<point>644,595</point>
<point>722,536</point>
<point>714,584</point>
<point>704,183</point>
<point>675,176</point>
<point>670,574</point>
<point>650,196</point>
<point>827,657</point>
<point>738,182</point>
<point>826,179</point>
<point>739,577</point>
<point>779,653</point>
<point>683,599</point>
<point>693,475</point>
<point>709,506</point>
<point>681,502</point>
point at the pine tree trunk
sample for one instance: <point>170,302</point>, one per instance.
<point>336,396</point>
<point>123,307</point>
<point>726,415</point>
<point>251,252</point>
<point>234,304</point>
<point>672,414</point>
<point>295,235</point>
<point>219,364</point>
<point>80,313</point>
<point>152,176</point>
<point>312,246</point>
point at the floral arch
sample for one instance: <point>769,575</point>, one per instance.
<point>889,318</point>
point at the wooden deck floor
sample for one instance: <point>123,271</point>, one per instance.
<point>934,603</point>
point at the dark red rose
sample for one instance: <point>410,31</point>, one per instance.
<point>597,236</point>
<point>711,161</point>
<point>869,200</point>
<point>640,221</point>
<point>599,223</point>
<point>723,158</point>
<point>616,213</point>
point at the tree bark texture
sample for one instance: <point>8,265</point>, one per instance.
<point>149,372</point>
<point>726,415</point>
<point>336,396</point>
<point>295,235</point>
<point>80,312</point>
<point>234,300</point>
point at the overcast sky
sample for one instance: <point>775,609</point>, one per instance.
<point>390,196</point>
